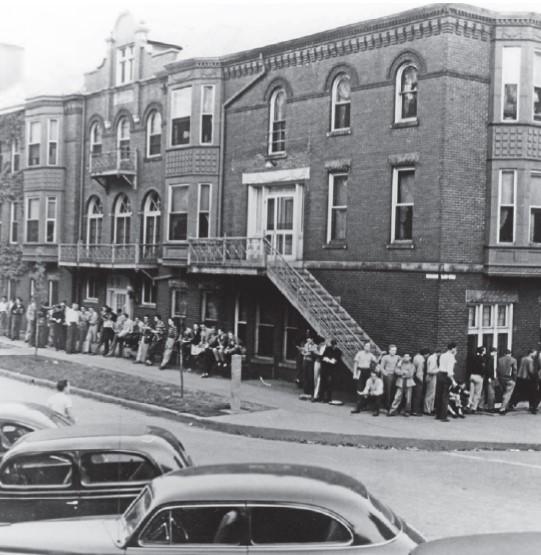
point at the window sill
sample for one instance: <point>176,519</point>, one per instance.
<point>335,245</point>
<point>339,132</point>
<point>147,305</point>
<point>276,156</point>
<point>402,245</point>
<point>154,158</point>
<point>402,124</point>
<point>91,300</point>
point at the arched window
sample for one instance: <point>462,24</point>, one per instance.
<point>341,103</point>
<point>94,217</point>
<point>121,220</point>
<point>406,93</point>
<point>154,134</point>
<point>95,138</point>
<point>151,219</point>
<point>277,119</point>
<point>123,138</point>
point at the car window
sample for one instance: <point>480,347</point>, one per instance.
<point>10,432</point>
<point>52,470</point>
<point>222,524</point>
<point>280,525</point>
<point>108,467</point>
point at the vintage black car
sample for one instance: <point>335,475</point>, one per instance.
<point>233,509</point>
<point>19,418</point>
<point>83,470</point>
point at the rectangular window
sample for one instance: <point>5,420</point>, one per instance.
<point>203,210</point>
<point>178,212</point>
<point>181,111</point>
<point>179,303</point>
<point>12,289</point>
<point>52,292</point>
<point>402,212</point>
<point>15,156</point>
<point>149,291</point>
<point>32,220</point>
<point>34,143</point>
<point>52,143</point>
<point>535,207</point>
<point>50,222</point>
<point>210,303</point>
<point>537,86</point>
<point>265,329</point>
<point>91,289</point>
<point>506,214</point>
<point>338,206</point>
<point>207,113</point>
<point>511,56</point>
<point>125,65</point>
<point>241,319</point>
<point>490,325</point>
<point>13,222</point>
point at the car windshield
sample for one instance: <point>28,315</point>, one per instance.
<point>134,514</point>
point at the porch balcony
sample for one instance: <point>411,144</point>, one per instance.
<point>119,165</point>
<point>228,255</point>
<point>130,255</point>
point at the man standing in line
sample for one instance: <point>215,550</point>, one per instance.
<point>432,369</point>
<point>57,316</point>
<point>526,386</point>
<point>507,376</point>
<point>31,313</point>
<point>71,318</point>
<point>4,316</point>
<point>388,363</point>
<point>488,397</point>
<point>477,367</point>
<point>17,312</point>
<point>329,363</point>
<point>444,380</point>
<point>363,363</point>
<point>419,361</point>
<point>405,372</point>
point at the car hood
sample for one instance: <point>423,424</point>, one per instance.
<point>74,535</point>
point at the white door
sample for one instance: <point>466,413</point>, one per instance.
<point>279,223</point>
<point>116,298</point>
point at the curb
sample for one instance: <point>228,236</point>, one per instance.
<point>296,436</point>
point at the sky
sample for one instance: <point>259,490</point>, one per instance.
<point>63,39</point>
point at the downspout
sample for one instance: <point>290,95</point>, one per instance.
<point>81,191</point>
<point>223,108</point>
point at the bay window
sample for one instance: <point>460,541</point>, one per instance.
<point>181,111</point>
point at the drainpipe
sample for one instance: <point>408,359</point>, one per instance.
<point>81,200</point>
<point>223,108</point>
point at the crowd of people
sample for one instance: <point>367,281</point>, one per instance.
<point>425,383</point>
<point>147,340</point>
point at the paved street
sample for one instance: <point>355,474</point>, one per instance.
<point>441,493</point>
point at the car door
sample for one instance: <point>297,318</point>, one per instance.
<point>110,480</point>
<point>199,529</point>
<point>36,486</point>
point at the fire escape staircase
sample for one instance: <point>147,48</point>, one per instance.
<point>318,307</point>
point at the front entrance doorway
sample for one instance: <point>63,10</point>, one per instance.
<point>116,298</point>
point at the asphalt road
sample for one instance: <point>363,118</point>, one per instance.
<point>440,493</point>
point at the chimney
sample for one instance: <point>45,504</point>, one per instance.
<point>11,65</point>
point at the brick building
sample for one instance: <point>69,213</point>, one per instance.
<point>378,180</point>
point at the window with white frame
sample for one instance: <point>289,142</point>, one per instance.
<point>15,156</point>
<point>264,329</point>
<point>511,58</point>
<point>149,291</point>
<point>277,120</point>
<point>151,219</point>
<point>403,198</point>
<point>32,220</point>
<point>241,319</point>
<point>178,212</point>
<point>94,221</point>
<point>210,303</point>
<point>125,64</point>
<point>34,143</point>
<point>91,289</point>
<point>506,211</point>
<point>181,112</point>
<point>203,210</point>
<point>50,221</point>
<point>207,114</point>
<point>122,220</point>
<point>52,292</point>
<point>535,207</point>
<point>338,206</point>
<point>52,142</point>
<point>95,138</point>
<point>179,303</point>
<point>490,325</point>
<point>123,138</point>
<point>406,93</point>
<point>14,222</point>
<point>154,134</point>
<point>537,86</point>
<point>341,103</point>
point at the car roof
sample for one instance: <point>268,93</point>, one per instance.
<point>525,543</point>
<point>33,413</point>
<point>267,482</point>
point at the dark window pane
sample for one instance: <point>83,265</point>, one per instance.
<point>404,223</point>
<point>488,341</point>
<point>16,162</point>
<point>203,230</point>
<point>155,145</point>
<point>50,232</point>
<point>502,343</point>
<point>278,143</point>
<point>341,116</point>
<point>537,103</point>
<point>180,131</point>
<point>212,303</point>
<point>32,231</point>
<point>52,153</point>
<point>510,102</point>
<point>115,467</point>
<point>124,146</point>
<point>178,227</point>
<point>338,224</point>
<point>33,155</point>
<point>506,224</point>
<point>38,470</point>
<point>206,128</point>
<point>472,346</point>
<point>536,225</point>
<point>11,432</point>
<point>265,344</point>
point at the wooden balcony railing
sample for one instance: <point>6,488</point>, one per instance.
<point>127,255</point>
<point>227,252</point>
<point>120,163</point>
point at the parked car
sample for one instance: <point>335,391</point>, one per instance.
<point>18,419</point>
<point>518,543</point>
<point>234,509</point>
<point>83,470</point>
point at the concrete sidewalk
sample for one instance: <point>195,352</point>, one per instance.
<point>290,418</point>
